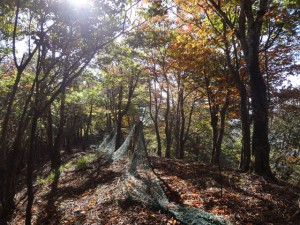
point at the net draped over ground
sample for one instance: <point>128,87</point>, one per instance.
<point>142,184</point>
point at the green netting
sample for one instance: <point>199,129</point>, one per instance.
<point>142,184</point>
<point>107,147</point>
<point>123,150</point>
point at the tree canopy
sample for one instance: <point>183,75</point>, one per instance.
<point>212,81</point>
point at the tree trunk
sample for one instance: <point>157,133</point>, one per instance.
<point>185,135</point>
<point>246,147</point>
<point>218,146</point>
<point>4,128</point>
<point>86,133</point>
<point>11,165</point>
<point>30,167</point>
<point>56,157</point>
<point>158,139</point>
<point>177,125</point>
<point>234,68</point>
<point>250,23</point>
<point>214,120</point>
<point>11,96</point>
<point>119,132</point>
<point>49,132</point>
<point>8,179</point>
<point>260,140</point>
<point>182,127</point>
<point>108,122</point>
<point>119,118</point>
<point>155,116</point>
<point>7,195</point>
<point>132,85</point>
<point>167,124</point>
<point>70,134</point>
<point>56,160</point>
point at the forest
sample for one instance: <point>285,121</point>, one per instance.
<point>150,112</point>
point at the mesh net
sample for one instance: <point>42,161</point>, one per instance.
<point>123,150</point>
<point>142,184</point>
<point>107,147</point>
<point>140,181</point>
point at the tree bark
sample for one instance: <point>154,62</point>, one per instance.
<point>246,137</point>
<point>214,120</point>
<point>220,132</point>
<point>56,159</point>
<point>234,67</point>
<point>184,136</point>
<point>217,130</point>
<point>260,139</point>
<point>71,133</point>
<point>250,23</point>
<point>182,126</point>
<point>155,116</point>
<point>119,119</point>
<point>168,132</point>
<point>49,131</point>
<point>11,164</point>
<point>121,112</point>
<point>30,166</point>
<point>88,125</point>
<point>177,127</point>
<point>11,96</point>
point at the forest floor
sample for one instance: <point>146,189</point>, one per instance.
<point>91,191</point>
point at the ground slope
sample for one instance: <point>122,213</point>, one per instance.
<point>90,191</point>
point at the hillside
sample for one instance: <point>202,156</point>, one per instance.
<point>91,192</point>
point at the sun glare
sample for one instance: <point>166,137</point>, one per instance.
<point>79,3</point>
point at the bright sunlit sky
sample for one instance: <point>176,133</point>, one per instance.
<point>21,45</point>
<point>79,3</point>
<point>295,80</point>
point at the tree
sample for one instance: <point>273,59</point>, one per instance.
<point>121,66</point>
<point>248,22</point>
<point>61,50</point>
<point>249,31</point>
<point>153,37</point>
<point>155,95</point>
<point>284,133</point>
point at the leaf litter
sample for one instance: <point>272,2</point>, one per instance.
<point>95,196</point>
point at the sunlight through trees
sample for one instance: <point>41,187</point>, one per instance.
<point>213,81</point>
